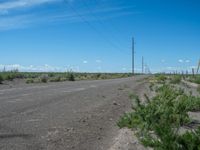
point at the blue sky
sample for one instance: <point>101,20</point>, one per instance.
<point>95,35</point>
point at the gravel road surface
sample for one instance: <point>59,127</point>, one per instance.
<point>79,115</point>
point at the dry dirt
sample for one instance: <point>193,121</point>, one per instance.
<point>78,115</point>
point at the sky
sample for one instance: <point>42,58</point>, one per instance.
<point>96,35</point>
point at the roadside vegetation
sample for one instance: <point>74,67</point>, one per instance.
<point>1,79</point>
<point>198,89</point>
<point>44,77</point>
<point>175,79</point>
<point>162,122</point>
<point>194,79</point>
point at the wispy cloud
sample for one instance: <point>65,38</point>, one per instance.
<point>12,17</point>
<point>14,22</point>
<point>85,61</point>
<point>180,61</point>
<point>187,61</point>
<point>9,5</point>
<point>98,61</point>
<point>184,61</point>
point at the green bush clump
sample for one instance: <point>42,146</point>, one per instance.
<point>51,75</point>
<point>198,88</point>
<point>151,86</point>
<point>175,79</point>
<point>28,81</point>
<point>9,77</point>
<point>44,78</point>
<point>71,77</point>
<point>1,79</point>
<point>55,79</point>
<point>157,122</point>
<point>195,79</point>
<point>160,78</point>
<point>98,76</point>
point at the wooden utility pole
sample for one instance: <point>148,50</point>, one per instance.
<point>193,72</point>
<point>133,56</point>
<point>142,65</point>
<point>4,69</point>
<point>198,67</point>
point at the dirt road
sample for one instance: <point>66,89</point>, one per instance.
<point>78,115</point>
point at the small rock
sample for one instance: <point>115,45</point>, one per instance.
<point>115,103</point>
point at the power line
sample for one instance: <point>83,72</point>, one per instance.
<point>142,65</point>
<point>93,27</point>
<point>133,55</point>
<point>101,22</point>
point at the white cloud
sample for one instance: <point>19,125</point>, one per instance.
<point>124,69</point>
<point>85,61</point>
<point>180,60</point>
<point>14,20</point>
<point>187,61</point>
<point>6,6</point>
<point>193,67</point>
<point>170,68</point>
<point>98,61</point>
<point>32,68</point>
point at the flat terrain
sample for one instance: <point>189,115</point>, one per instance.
<point>79,115</point>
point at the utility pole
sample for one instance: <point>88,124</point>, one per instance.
<point>198,67</point>
<point>4,69</point>
<point>142,65</point>
<point>133,56</point>
<point>193,72</point>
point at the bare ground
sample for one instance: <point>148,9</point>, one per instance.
<point>65,116</point>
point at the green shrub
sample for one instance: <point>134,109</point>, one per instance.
<point>198,88</point>
<point>44,78</point>
<point>175,79</point>
<point>160,78</point>
<point>157,123</point>
<point>1,79</point>
<point>19,75</point>
<point>9,77</point>
<point>51,75</point>
<point>71,77</point>
<point>190,140</point>
<point>97,76</point>
<point>195,79</point>
<point>151,86</point>
<point>55,79</point>
<point>29,81</point>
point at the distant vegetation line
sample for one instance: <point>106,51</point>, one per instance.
<point>38,77</point>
